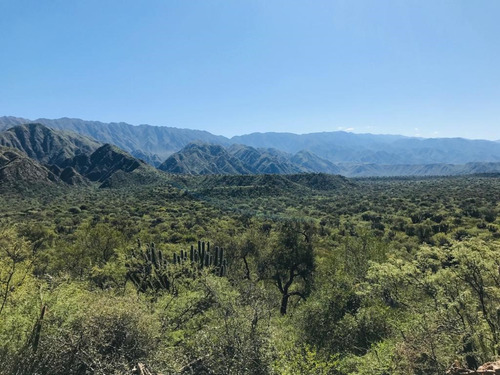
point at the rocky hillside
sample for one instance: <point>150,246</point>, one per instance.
<point>105,161</point>
<point>265,161</point>
<point>202,159</point>
<point>71,158</point>
<point>16,169</point>
<point>154,141</point>
<point>46,145</point>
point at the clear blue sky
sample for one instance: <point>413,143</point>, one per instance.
<point>422,67</point>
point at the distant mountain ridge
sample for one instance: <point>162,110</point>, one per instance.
<point>330,152</point>
<point>438,169</point>
<point>204,159</point>
<point>343,147</point>
<point>146,140</point>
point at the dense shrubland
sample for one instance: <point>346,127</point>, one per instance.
<point>383,276</point>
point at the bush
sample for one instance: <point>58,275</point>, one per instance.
<point>87,332</point>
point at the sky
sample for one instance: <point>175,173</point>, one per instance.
<point>428,68</point>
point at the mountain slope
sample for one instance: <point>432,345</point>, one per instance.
<point>312,162</point>
<point>321,152</point>
<point>73,158</point>
<point>69,175</point>
<point>46,145</point>
<point>16,170</point>
<point>159,140</point>
<point>105,161</point>
<point>201,158</point>
<point>342,147</point>
<point>264,161</point>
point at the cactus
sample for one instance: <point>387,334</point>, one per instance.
<point>149,269</point>
<point>204,258</point>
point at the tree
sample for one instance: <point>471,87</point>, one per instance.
<point>289,262</point>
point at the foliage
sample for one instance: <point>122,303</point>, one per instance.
<point>367,276</point>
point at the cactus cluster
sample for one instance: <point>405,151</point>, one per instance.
<point>149,269</point>
<point>202,258</point>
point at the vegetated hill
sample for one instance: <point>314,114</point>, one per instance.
<point>108,160</point>
<point>46,145</point>
<point>144,175</point>
<point>321,181</point>
<point>256,185</point>
<point>18,170</point>
<point>201,159</point>
<point>160,140</point>
<point>376,170</point>
<point>73,158</point>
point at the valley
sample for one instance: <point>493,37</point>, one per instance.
<point>321,273</point>
<point>249,188</point>
<point>235,259</point>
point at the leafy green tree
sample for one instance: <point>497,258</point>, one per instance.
<point>289,262</point>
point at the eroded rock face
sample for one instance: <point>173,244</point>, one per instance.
<point>487,368</point>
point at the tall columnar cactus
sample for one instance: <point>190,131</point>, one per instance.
<point>149,269</point>
<point>202,258</point>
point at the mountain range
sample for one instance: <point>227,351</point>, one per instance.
<point>201,158</point>
<point>204,159</point>
<point>199,152</point>
<point>33,152</point>
<point>47,146</point>
<point>151,143</point>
